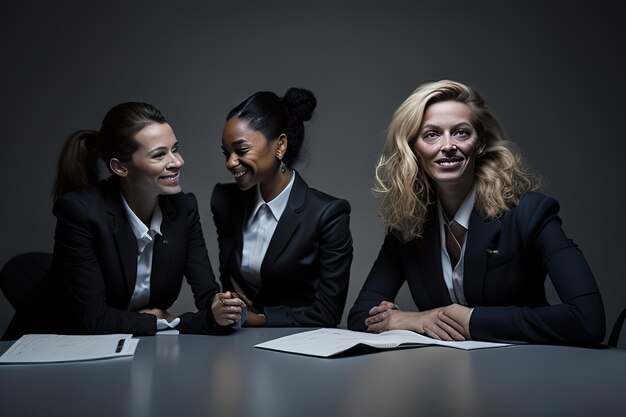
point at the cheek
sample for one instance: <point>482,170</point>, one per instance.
<point>424,151</point>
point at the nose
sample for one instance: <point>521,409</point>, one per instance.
<point>448,144</point>
<point>176,161</point>
<point>232,161</point>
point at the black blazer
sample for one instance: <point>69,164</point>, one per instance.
<point>306,269</point>
<point>506,262</point>
<point>95,266</point>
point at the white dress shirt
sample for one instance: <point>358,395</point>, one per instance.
<point>145,247</point>
<point>258,230</point>
<point>454,277</point>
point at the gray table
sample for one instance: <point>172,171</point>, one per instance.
<point>224,376</point>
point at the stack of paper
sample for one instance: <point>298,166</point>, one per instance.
<point>328,342</point>
<point>40,348</point>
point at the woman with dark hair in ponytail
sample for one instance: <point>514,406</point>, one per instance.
<point>122,245</point>
<point>285,248</point>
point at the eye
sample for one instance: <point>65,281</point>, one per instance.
<point>462,133</point>
<point>158,155</point>
<point>241,151</point>
<point>175,148</point>
<point>430,136</point>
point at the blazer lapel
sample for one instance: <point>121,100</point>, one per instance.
<point>234,244</point>
<point>123,234</point>
<point>161,249</point>
<point>480,236</point>
<point>428,261</point>
<point>288,223</point>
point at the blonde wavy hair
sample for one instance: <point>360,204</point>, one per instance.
<point>403,186</point>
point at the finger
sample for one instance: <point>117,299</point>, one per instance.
<point>377,327</point>
<point>233,302</point>
<point>451,333</point>
<point>375,319</point>
<point>443,335</point>
<point>374,310</point>
<point>243,297</point>
<point>458,327</point>
<point>431,334</point>
<point>383,306</point>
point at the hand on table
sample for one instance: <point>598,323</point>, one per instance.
<point>445,323</point>
<point>226,308</point>
<point>160,314</point>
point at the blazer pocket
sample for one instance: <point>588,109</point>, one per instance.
<point>498,261</point>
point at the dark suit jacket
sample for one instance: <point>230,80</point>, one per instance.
<point>306,269</point>
<point>506,262</point>
<point>95,266</point>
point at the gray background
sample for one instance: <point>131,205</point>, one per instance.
<point>552,71</point>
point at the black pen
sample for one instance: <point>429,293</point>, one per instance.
<point>120,345</point>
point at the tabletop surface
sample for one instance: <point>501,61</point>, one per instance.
<point>193,375</point>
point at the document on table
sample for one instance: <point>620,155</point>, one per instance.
<point>42,348</point>
<point>329,342</point>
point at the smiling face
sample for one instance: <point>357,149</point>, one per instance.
<point>155,166</point>
<point>447,145</point>
<point>250,157</point>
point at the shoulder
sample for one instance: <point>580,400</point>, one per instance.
<point>225,192</point>
<point>227,196</point>
<point>314,199</point>
<point>91,199</point>
<point>533,213</point>
<point>180,202</point>
<point>534,204</point>
<point>326,203</point>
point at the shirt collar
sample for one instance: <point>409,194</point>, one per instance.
<point>278,204</point>
<point>139,229</point>
<point>463,214</point>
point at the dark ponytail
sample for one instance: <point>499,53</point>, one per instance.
<point>271,115</point>
<point>78,162</point>
<point>300,104</point>
<point>77,167</point>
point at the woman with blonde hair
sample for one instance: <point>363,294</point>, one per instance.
<point>467,230</point>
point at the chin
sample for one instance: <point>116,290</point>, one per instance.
<point>172,190</point>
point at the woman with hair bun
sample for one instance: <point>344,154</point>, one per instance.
<point>467,230</point>
<point>285,248</point>
<point>123,244</point>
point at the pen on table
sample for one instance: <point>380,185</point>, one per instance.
<point>120,345</point>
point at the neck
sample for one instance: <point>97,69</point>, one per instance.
<point>275,185</point>
<point>140,203</point>
<point>452,195</point>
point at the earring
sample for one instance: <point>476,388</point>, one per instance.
<point>283,167</point>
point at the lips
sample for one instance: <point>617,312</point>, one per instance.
<point>239,173</point>
<point>451,162</point>
<point>171,179</point>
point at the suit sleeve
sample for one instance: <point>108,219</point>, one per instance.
<point>382,283</point>
<point>199,274</point>
<point>335,259</point>
<point>76,259</point>
<point>578,319</point>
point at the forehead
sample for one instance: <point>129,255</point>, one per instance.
<point>237,130</point>
<point>155,135</point>
<point>447,112</point>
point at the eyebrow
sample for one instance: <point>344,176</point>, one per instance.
<point>456,126</point>
<point>161,148</point>
<point>236,143</point>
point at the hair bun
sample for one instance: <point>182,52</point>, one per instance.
<point>300,103</point>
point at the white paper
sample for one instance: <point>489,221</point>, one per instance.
<point>40,348</point>
<point>328,342</point>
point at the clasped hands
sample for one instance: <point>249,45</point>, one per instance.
<point>228,306</point>
<point>444,323</point>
